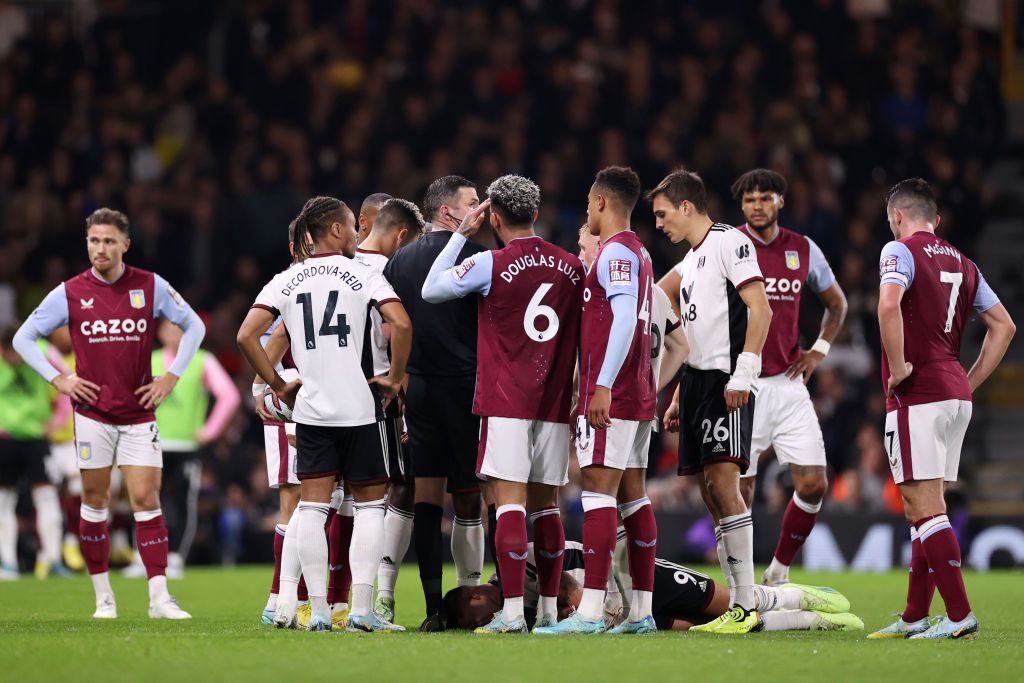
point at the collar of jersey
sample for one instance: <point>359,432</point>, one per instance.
<point>366,251</point>
<point>97,278</point>
<point>325,254</point>
<point>752,234</point>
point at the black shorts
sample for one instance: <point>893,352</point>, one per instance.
<point>679,593</point>
<point>356,454</point>
<point>23,461</point>
<point>444,434</point>
<point>708,432</point>
<point>399,462</point>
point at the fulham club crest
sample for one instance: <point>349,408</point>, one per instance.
<point>137,297</point>
<point>793,260</point>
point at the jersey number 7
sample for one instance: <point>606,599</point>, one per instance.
<point>340,329</point>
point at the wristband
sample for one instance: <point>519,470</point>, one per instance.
<point>748,368</point>
<point>821,346</point>
<point>258,389</point>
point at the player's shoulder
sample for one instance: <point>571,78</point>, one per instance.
<point>131,273</point>
<point>372,259</point>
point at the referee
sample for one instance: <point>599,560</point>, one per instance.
<point>443,432</point>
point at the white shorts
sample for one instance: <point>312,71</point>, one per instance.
<point>924,441</point>
<point>100,445</point>
<point>622,446</point>
<point>280,454</point>
<point>784,417</point>
<point>514,449</point>
<point>65,460</point>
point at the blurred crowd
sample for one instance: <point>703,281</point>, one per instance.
<point>210,123</point>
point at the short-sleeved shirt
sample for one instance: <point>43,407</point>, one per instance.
<point>444,338</point>
<point>379,344</point>
<point>664,322</point>
<point>713,314</point>
<point>788,262</point>
<point>622,268</point>
<point>324,303</point>
<point>531,296</point>
<point>943,287</point>
<point>112,329</point>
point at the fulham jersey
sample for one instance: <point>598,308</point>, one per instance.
<point>324,303</point>
<point>378,343</point>
<point>713,314</point>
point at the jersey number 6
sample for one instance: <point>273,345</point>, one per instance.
<point>535,309</point>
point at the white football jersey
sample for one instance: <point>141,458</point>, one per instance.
<point>324,303</point>
<point>379,344</point>
<point>663,322</point>
<point>713,314</point>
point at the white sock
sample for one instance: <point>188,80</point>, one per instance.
<point>49,523</point>
<point>158,589</point>
<point>592,604</point>
<point>548,607</point>
<point>738,539</point>
<point>338,607</point>
<point>101,584</point>
<point>726,567</point>
<point>8,527</point>
<point>788,620</point>
<point>365,553</point>
<point>640,608</point>
<point>397,534</point>
<point>312,546</point>
<point>512,609</point>
<point>271,603</point>
<point>291,569</point>
<point>468,551</point>
<point>770,599</point>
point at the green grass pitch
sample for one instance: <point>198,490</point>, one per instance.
<point>46,634</point>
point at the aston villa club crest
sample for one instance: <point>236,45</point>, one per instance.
<point>793,260</point>
<point>84,450</point>
<point>137,297</point>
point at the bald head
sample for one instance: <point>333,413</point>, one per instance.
<point>368,213</point>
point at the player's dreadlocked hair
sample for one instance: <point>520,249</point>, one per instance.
<point>759,180</point>
<point>514,198</point>
<point>682,185</point>
<point>399,213</point>
<point>312,223</point>
<point>620,182</point>
<point>913,196</point>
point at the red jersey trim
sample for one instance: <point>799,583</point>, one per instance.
<point>267,308</point>
<point>389,301</point>
<point>756,278</point>
<point>367,251</point>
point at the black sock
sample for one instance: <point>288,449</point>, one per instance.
<point>492,528</point>
<point>426,534</point>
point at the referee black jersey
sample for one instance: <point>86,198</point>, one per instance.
<point>444,335</point>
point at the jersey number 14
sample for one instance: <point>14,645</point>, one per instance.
<point>331,326</point>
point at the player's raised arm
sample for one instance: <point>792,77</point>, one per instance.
<point>1001,329</point>
<point>445,281</point>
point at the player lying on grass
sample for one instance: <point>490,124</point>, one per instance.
<point>681,599</point>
